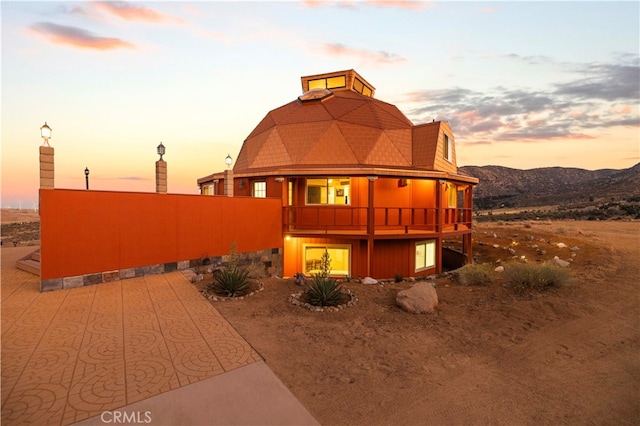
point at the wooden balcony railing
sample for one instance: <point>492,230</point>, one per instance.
<point>386,220</point>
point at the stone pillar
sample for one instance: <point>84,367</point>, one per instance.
<point>228,183</point>
<point>46,167</point>
<point>161,177</point>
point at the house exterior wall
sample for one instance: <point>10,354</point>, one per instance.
<point>86,232</point>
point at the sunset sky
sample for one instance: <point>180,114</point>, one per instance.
<point>523,84</point>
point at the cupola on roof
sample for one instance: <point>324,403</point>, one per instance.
<point>336,122</point>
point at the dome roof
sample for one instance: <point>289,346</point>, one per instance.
<point>329,128</point>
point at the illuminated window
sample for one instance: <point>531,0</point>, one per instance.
<point>336,82</point>
<point>340,256</point>
<point>328,83</point>
<point>260,189</point>
<point>425,255</point>
<point>447,148</point>
<point>290,193</point>
<point>360,87</point>
<point>332,190</point>
<point>452,194</point>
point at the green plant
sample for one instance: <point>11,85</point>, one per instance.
<point>537,277</point>
<point>324,290</point>
<point>475,274</point>
<point>231,282</point>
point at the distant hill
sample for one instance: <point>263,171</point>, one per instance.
<point>505,187</point>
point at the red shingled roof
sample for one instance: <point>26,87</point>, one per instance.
<point>345,129</point>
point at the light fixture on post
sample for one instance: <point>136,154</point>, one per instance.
<point>228,177</point>
<point>161,171</point>
<point>86,177</point>
<point>161,151</point>
<point>45,132</point>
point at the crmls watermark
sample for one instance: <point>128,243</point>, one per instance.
<point>117,417</point>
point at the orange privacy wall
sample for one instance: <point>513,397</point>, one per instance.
<point>85,232</point>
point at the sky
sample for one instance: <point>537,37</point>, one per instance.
<point>523,84</point>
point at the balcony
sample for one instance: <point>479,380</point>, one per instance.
<point>387,221</point>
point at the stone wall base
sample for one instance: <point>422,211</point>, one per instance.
<point>266,262</point>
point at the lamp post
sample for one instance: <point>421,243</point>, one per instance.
<point>46,158</point>
<point>45,132</point>
<point>161,171</point>
<point>228,177</point>
<point>86,176</point>
<point>161,151</point>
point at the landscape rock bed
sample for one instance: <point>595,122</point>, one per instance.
<point>295,299</point>
<point>216,298</point>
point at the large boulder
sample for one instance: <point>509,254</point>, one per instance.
<point>419,299</point>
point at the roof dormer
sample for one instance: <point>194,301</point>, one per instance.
<point>338,80</point>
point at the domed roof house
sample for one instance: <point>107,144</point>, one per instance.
<point>358,179</point>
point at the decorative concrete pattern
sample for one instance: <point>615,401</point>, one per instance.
<point>72,354</point>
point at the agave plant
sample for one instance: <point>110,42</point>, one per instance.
<point>231,282</point>
<point>324,291</point>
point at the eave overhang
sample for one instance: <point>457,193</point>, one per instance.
<point>345,171</point>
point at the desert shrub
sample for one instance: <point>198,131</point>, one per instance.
<point>475,274</point>
<point>538,277</point>
<point>231,282</point>
<point>324,290</point>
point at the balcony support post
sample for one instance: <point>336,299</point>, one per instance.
<point>370,222</point>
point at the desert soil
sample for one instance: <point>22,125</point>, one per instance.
<point>486,356</point>
<point>19,227</point>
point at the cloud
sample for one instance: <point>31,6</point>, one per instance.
<point>378,57</point>
<point>609,82</point>
<point>77,37</point>
<point>130,12</point>
<point>400,4</point>
<point>602,96</point>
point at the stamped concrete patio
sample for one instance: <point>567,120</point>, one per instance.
<point>71,355</point>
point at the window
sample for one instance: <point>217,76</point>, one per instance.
<point>425,255</point>
<point>452,195</point>
<point>360,87</point>
<point>209,189</point>
<point>447,148</point>
<point>331,190</point>
<point>340,256</point>
<point>328,83</point>
<point>260,189</point>
<point>290,193</point>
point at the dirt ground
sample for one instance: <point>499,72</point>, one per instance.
<point>487,356</point>
<point>19,227</point>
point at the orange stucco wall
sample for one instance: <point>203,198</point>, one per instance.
<point>84,232</point>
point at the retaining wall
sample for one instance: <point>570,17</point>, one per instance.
<point>91,237</point>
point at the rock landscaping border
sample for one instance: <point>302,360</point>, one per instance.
<point>294,299</point>
<point>215,298</point>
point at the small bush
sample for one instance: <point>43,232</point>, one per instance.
<point>398,277</point>
<point>542,276</point>
<point>231,282</point>
<point>324,291</point>
<point>475,274</point>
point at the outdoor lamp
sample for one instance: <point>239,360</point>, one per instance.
<point>161,150</point>
<point>228,161</point>
<point>45,131</point>
<point>86,176</point>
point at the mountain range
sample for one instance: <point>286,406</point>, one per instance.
<point>506,187</point>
